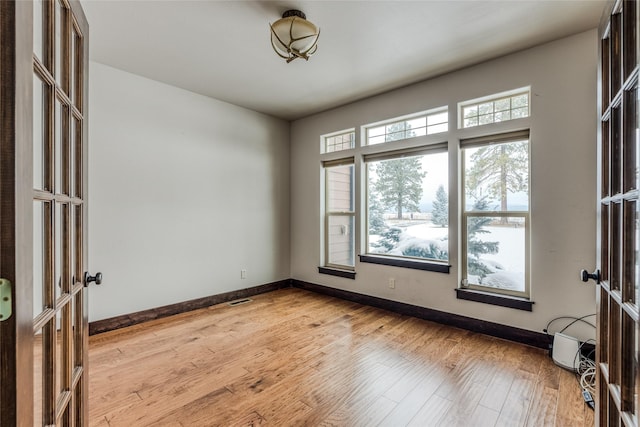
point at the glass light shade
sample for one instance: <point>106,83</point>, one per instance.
<point>294,37</point>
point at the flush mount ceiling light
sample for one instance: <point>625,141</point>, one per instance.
<point>293,36</point>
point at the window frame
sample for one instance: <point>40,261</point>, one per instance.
<point>437,265</point>
<point>350,161</point>
<point>526,215</point>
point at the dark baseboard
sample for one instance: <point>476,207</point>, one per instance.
<point>125,320</point>
<point>511,333</point>
<point>535,339</point>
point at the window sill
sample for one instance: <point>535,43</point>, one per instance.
<point>508,301</point>
<point>347,274</point>
<point>406,263</point>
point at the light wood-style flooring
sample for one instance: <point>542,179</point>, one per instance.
<point>293,357</point>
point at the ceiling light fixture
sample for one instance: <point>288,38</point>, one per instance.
<point>293,36</point>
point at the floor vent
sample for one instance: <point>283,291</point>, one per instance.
<point>240,301</point>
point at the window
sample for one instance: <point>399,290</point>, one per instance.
<point>339,214</point>
<point>408,205</point>
<point>429,123</point>
<point>339,142</point>
<point>498,108</point>
<point>495,219</point>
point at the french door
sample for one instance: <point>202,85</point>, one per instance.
<point>618,294</point>
<point>43,215</point>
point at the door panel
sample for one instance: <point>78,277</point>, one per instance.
<point>619,231</point>
<point>43,250</point>
<point>16,209</point>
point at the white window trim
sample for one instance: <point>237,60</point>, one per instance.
<point>328,214</point>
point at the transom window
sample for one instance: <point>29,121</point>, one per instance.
<point>428,123</point>
<point>339,142</point>
<point>499,108</point>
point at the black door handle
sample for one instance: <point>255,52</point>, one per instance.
<point>88,279</point>
<point>585,276</point>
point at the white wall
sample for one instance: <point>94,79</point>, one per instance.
<point>184,192</point>
<point>562,76</point>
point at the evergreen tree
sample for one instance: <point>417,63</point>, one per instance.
<point>399,181</point>
<point>389,239</point>
<point>475,246</point>
<point>432,251</point>
<point>499,169</point>
<point>375,215</point>
<point>399,184</point>
<point>440,211</point>
<point>397,131</point>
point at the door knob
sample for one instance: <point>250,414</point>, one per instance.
<point>585,276</point>
<point>88,279</point>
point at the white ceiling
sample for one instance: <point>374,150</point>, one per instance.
<point>221,48</point>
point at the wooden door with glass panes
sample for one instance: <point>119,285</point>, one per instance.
<point>46,96</point>
<point>619,231</point>
<point>59,147</point>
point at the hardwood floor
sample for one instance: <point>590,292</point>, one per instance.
<point>293,357</point>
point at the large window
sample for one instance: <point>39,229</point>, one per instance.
<point>408,204</point>
<point>339,214</point>
<point>403,206</point>
<point>495,228</point>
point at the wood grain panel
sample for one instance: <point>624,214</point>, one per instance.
<point>16,219</point>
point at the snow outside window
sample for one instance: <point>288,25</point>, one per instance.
<point>408,204</point>
<point>339,215</point>
<point>495,229</point>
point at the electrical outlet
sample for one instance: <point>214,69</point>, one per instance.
<point>392,283</point>
<point>243,274</point>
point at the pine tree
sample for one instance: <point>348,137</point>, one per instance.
<point>375,215</point>
<point>399,184</point>
<point>389,239</point>
<point>432,251</point>
<point>475,246</point>
<point>499,169</point>
<point>440,211</point>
